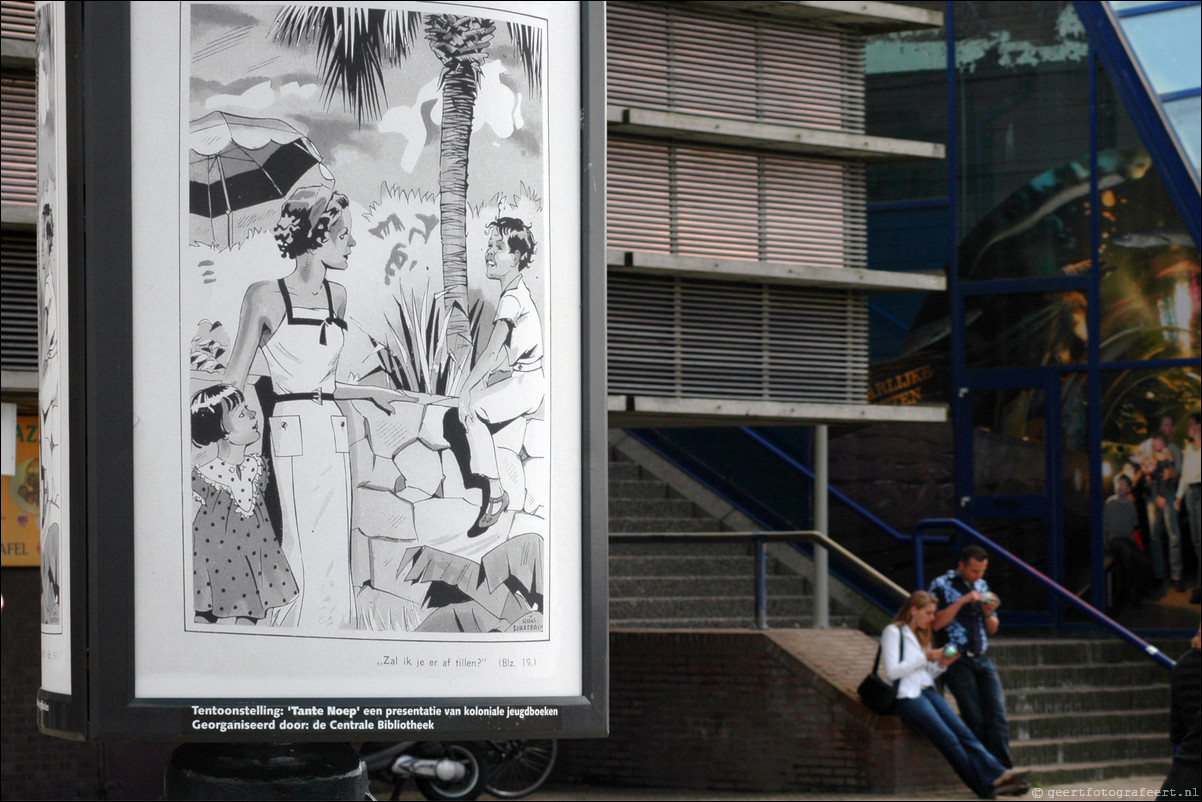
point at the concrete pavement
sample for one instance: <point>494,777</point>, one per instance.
<point>1122,788</point>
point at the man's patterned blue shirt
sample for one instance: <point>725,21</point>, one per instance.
<point>946,590</point>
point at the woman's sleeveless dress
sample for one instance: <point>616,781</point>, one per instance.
<point>312,465</point>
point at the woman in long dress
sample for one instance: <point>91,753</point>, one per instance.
<point>297,324</point>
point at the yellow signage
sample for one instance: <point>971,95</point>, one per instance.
<point>19,500</point>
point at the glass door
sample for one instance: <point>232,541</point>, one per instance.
<point>1015,478</point>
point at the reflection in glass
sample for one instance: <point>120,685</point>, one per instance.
<point>1185,115</point>
<point>1135,404</point>
<point>1008,442</point>
<point>1166,46</point>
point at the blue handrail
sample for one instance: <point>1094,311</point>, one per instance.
<point>749,506</point>
<point>994,549</point>
<point>856,508</point>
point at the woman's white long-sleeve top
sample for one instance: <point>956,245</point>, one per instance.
<point>913,669</point>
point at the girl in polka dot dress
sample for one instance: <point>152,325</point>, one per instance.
<point>239,572</point>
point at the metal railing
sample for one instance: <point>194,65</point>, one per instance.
<point>1034,573</point>
<point>761,540</point>
<point>793,463</point>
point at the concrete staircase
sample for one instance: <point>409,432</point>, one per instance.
<point>1084,709</point>
<point>692,585</point>
<point>1079,709</point>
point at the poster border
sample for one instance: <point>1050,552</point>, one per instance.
<point>99,83</point>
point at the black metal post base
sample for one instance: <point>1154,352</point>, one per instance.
<point>265,771</point>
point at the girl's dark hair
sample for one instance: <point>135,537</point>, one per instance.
<point>306,219</point>
<point>517,237</point>
<point>208,407</point>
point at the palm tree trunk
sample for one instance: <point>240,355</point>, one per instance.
<point>458,102</point>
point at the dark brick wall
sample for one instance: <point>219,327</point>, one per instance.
<point>731,710</point>
<point>33,765</point>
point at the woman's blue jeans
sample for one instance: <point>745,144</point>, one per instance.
<point>931,716</point>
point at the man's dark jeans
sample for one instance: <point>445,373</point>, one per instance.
<point>978,691</point>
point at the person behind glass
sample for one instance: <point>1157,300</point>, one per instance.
<point>1189,493</point>
<point>912,662</point>
<point>1163,469</point>
<point>966,611</point>
<point>1119,522</point>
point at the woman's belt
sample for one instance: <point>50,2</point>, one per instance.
<point>317,396</point>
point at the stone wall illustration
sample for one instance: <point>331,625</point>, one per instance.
<point>413,502</point>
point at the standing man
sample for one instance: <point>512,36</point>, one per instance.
<point>1189,493</point>
<point>966,610</point>
<point>1162,469</point>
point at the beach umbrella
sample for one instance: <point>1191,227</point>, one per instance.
<point>238,163</point>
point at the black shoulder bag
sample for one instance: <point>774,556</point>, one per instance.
<point>876,694</point>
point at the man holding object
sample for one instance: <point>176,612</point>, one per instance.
<point>966,609</point>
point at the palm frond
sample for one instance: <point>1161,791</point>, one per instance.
<point>352,46</point>
<point>528,43</point>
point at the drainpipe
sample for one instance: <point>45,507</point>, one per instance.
<point>821,496</point>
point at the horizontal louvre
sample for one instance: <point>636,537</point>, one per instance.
<point>19,299</point>
<point>716,339</point>
<point>694,201</point>
<point>676,57</point>
<point>18,131</point>
<point>16,19</point>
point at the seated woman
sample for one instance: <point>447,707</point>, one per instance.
<point>907,654</point>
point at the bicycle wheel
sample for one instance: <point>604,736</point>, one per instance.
<point>475,766</point>
<point>518,768</point>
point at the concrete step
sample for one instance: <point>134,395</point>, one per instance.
<point>1041,727</point>
<point>1078,651</point>
<point>730,606</point>
<point>679,548</point>
<point>639,524</point>
<point>735,622</point>
<point>1108,748</point>
<point>637,565</point>
<point>637,488</point>
<point>1071,773</point>
<point>651,508</point>
<point>1087,699</point>
<point>693,585</point>
<point>1065,676</point>
<point>623,469</point>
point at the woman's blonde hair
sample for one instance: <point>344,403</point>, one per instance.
<point>918,599</point>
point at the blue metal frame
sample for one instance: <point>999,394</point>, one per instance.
<point>1093,323</point>
<point>1153,8</point>
<point>1047,505</point>
<point>1104,44</point>
<point>1127,77</point>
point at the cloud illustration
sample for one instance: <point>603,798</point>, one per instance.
<point>257,98</point>
<point>497,106</point>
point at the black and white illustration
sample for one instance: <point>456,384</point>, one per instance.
<point>364,303</point>
<point>50,324</point>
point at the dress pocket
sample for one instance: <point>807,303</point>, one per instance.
<point>338,423</point>
<point>286,436</point>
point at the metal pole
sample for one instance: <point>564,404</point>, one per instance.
<point>821,572</point>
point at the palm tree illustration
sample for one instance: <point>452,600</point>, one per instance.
<point>354,44</point>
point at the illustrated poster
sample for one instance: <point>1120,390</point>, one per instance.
<point>368,385</point>
<point>53,398</point>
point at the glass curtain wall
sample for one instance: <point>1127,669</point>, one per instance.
<point>1069,335</point>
